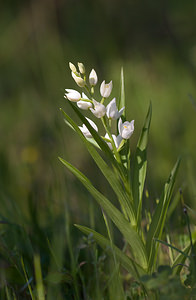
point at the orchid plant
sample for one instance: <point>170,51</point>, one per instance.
<point>139,257</point>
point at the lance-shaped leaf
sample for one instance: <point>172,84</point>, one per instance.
<point>140,165</point>
<point>159,217</point>
<point>109,174</point>
<point>130,235</point>
<point>133,268</point>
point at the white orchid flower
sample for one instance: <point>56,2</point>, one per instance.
<point>84,104</point>
<point>72,95</point>
<point>85,130</point>
<point>106,89</point>
<point>117,140</point>
<point>125,129</point>
<point>93,78</point>
<point>99,109</point>
<point>79,80</point>
<point>112,111</point>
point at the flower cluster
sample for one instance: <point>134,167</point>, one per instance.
<point>106,113</point>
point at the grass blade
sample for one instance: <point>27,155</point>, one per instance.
<point>180,260</point>
<point>38,277</point>
<point>172,247</point>
<point>27,280</point>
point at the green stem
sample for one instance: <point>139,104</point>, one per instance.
<point>102,100</point>
<point>111,139</point>
<point>86,100</point>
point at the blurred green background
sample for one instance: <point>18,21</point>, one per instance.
<point>154,41</point>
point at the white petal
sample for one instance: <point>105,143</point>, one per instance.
<point>72,95</point>
<point>111,109</point>
<point>120,126</point>
<point>117,140</point>
<point>121,111</point>
<point>84,96</point>
<point>92,124</point>
<point>102,88</point>
<point>85,130</point>
<point>99,109</point>
<point>84,104</point>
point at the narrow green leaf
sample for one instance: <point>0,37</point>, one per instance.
<point>159,217</point>
<point>27,280</point>
<point>130,235</point>
<point>180,260</point>
<point>125,152</point>
<point>109,174</point>
<point>140,165</point>
<point>122,92</point>
<point>172,247</point>
<point>8,296</point>
<point>133,268</point>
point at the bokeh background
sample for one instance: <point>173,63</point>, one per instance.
<point>155,42</point>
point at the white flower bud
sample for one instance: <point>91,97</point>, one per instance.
<point>93,78</point>
<point>72,67</point>
<point>99,109</point>
<point>81,68</point>
<point>80,82</point>
<point>105,89</point>
<point>72,95</point>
